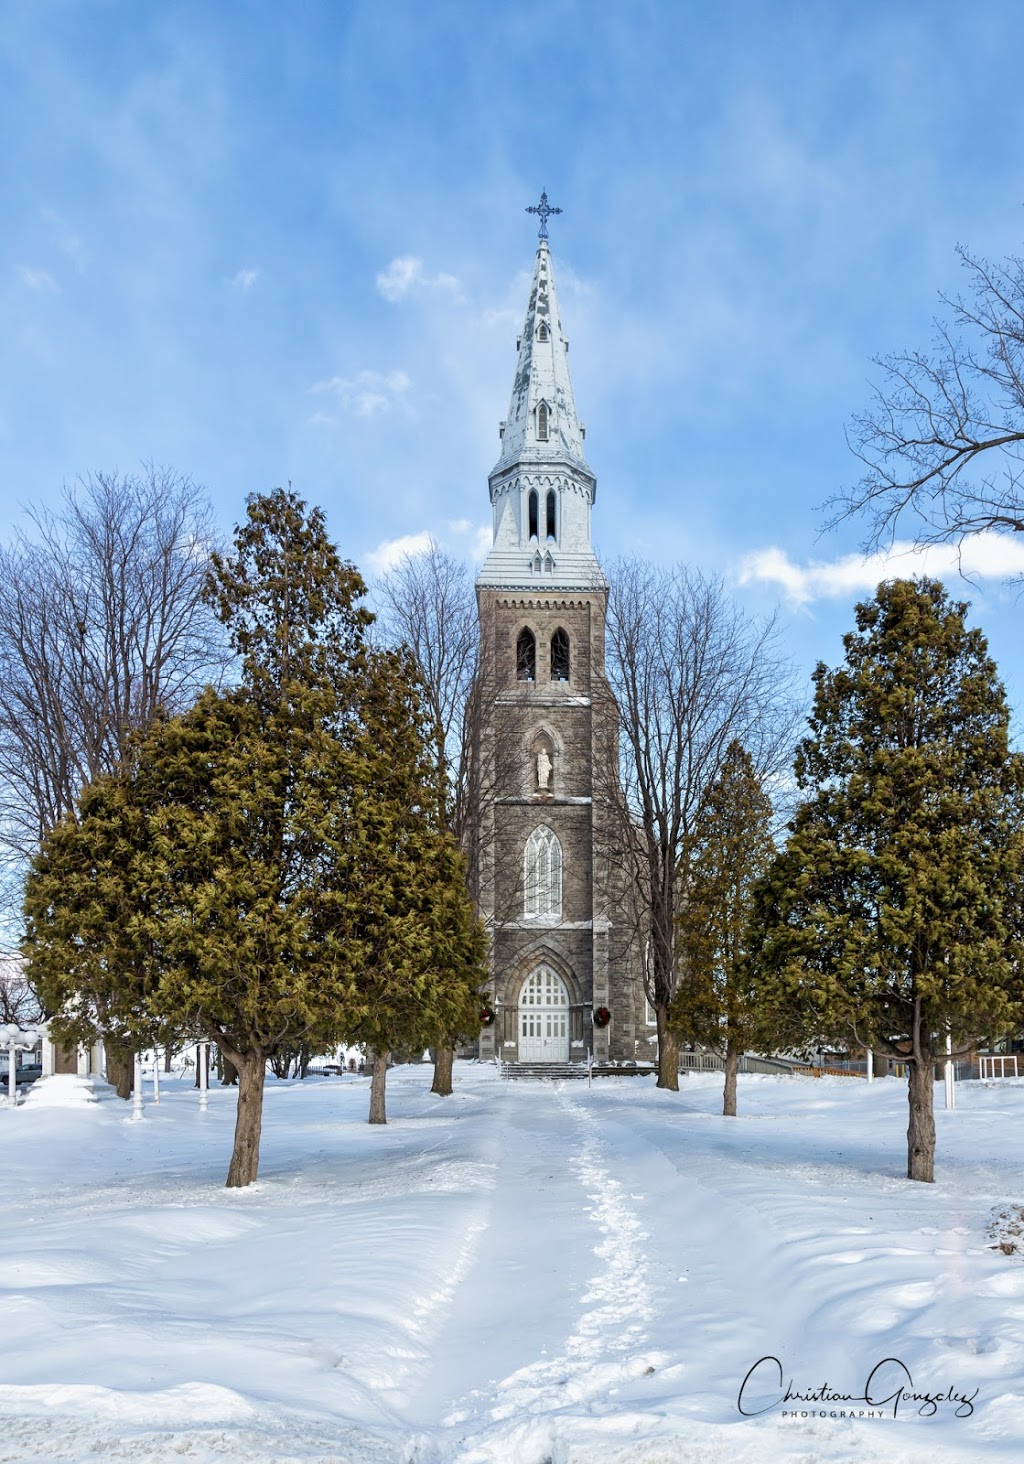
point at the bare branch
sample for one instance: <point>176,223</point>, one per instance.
<point>690,674</point>
<point>942,444</point>
<point>102,625</point>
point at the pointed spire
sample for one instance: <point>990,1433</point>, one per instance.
<point>541,487</point>
<point>542,423</point>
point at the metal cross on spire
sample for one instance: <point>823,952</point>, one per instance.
<point>544,211</point>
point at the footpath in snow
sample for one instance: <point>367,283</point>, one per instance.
<point>520,1274</point>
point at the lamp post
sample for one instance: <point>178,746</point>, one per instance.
<point>203,1060</point>
<point>16,1039</point>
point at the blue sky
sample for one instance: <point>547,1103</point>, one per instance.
<point>264,243</point>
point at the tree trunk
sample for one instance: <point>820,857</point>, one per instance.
<point>305,1053</point>
<point>732,1066</point>
<point>229,1073</point>
<point>668,1051</point>
<point>120,1067</point>
<point>444,1057</point>
<point>380,1075</point>
<point>245,1156</point>
<point>168,1054</point>
<point>921,1132</point>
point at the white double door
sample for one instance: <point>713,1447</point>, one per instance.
<point>544,1018</point>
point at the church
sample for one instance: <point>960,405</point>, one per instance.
<point>565,977</point>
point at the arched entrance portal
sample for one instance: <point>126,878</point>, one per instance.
<point>543,1018</point>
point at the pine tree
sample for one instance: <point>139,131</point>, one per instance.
<point>716,1003</point>
<point>893,914</point>
<point>272,862</point>
<point>233,890</point>
<point>83,953</point>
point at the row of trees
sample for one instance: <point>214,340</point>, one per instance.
<point>271,867</point>
<point>892,917</point>
<point>894,912</point>
<point>889,914</point>
<point>278,865</point>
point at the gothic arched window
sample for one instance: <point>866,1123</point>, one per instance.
<point>542,875</point>
<point>542,331</point>
<point>560,655</point>
<point>533,512</point>
<point>550,514</point>
<point>526,656</point>
<point>542,422</point>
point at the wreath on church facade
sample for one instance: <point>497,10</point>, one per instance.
<point>602,1016</point>
<point>487,1017</point>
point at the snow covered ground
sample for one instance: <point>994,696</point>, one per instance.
<point>521,1273</point>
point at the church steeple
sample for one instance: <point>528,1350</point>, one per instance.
<point>542,487</point>
<point>542,419</point>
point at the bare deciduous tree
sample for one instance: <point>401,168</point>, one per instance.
<point>428,604</point>
<point>943,442</point>
<point>101,625</point>
<point>690,673</point>
<point>18,1003</point>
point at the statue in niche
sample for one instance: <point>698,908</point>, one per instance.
<point>544,768</point>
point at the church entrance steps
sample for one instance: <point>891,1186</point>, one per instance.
<point>689,1062</point>
<point>558,1071</point>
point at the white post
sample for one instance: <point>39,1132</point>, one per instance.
<point>12,1073</point>
<point>871,1066</point>
<point>137,1089</point>
<point>156,1075</point>
<point>950,1079</point>
<point>203,1059</point>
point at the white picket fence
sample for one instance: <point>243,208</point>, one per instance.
<point>998,1067</point>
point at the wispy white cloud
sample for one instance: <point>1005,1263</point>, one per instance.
<point>985,556</point>
<point>244,279</point>
<point>390,552</point>
<point>479,537</point>
<point>66,240</point>
<point>406,273</point>
<point>506,315</point>
<point>367,392</point>
<point>39,280</point>
<point>468,540</point>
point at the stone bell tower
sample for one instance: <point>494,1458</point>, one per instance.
<point>546,723</point>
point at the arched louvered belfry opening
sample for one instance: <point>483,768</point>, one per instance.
<point>542,875</point>
<point>542,422</point>
<point>526,655</point>
<point>542,331</point>
<point>551,512</point>
<point>560,655</point>
<point>533,513</point>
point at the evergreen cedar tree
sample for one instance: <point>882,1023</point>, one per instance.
<point>893,915</point>
<point>247,872</point>
<point>716,1003</point>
